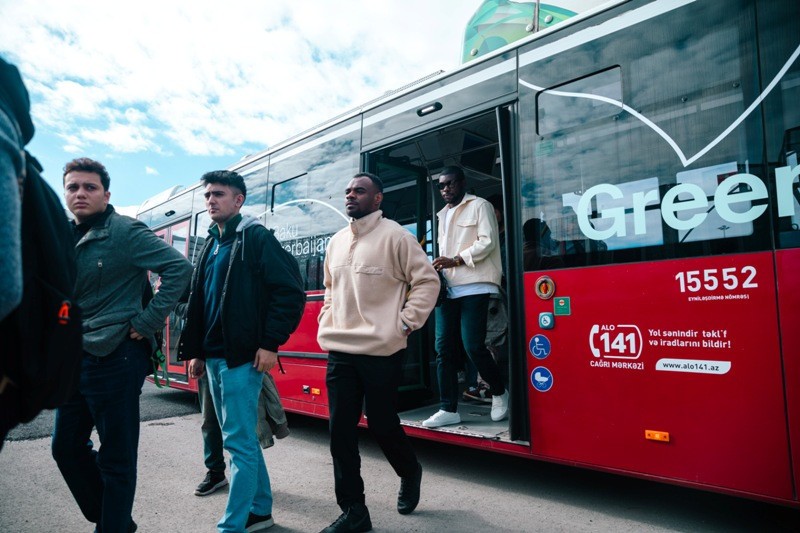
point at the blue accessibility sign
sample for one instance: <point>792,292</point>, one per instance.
<point>539,346</point>
<point>541,379</point>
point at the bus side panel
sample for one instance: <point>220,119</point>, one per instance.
<point>670,369</point>
<point>304,339</point>
<point>303,380</point>
<point>788,267</point>
<point>303,384</point>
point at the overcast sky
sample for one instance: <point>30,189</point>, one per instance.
<point>163,91</point>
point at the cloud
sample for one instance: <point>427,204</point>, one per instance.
<point>127,210</point>
<point>211,78</point>
<point>150,171</point>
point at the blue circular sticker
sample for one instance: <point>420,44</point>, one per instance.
<point>539,346</point>
<point>541,379</point>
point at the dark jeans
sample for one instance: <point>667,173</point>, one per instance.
<point>212,433</point>
<point>103,481</point>
<point>463,317</point>
<point>355,380</point>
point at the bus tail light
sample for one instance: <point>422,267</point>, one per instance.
<point>660,436</point>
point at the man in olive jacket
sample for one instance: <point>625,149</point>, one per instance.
<point>246,299</point>
<point>113,255</point>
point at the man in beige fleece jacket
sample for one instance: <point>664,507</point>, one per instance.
<point>379,287</point>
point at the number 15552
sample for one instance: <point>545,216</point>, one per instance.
<point>714,278</point>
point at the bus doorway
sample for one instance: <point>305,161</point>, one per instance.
<point>410,171</point>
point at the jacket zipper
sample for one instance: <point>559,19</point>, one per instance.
<point>99,276</point>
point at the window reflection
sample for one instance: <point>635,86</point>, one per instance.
<point>307,204</point>
<point>609,132</point>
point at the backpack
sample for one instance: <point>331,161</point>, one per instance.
<point>43,336</point>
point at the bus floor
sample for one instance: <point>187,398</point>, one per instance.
<point>475,421</point>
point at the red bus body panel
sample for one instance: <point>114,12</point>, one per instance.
<point>788,271</point>
<point>726,422</point>
<point>722,406</point>
<point>304,339</point>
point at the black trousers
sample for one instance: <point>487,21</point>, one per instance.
<point>354,380</point>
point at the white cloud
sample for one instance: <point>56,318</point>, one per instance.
<point>125,138</point>
<point>150,171</point>
<point>213,77</point>
<point>127,210</point>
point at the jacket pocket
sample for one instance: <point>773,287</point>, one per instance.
<point>373,270</point>
<point>467,233</point>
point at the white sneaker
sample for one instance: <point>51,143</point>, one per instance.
<point>442,418</point>
<point>499,407</point>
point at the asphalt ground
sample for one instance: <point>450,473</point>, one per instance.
<point>462,489</point>
<point>155,404</point>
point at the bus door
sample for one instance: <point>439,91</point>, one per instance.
<point>781,110</point>
<point>653,340</point>
<point>177,236</point>
<point>410,171</point>
<point>404,201</point>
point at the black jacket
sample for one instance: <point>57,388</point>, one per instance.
<point>262,298</point>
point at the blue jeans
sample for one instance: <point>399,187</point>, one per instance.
<point>235,393</point>
<point>103,481</point>
<point>463,317</point>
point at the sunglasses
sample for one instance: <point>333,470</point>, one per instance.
<point>445,184</point>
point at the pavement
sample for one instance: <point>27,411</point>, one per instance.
<point>462,490</point>
<point>34,497</point>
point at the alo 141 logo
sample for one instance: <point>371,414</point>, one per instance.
<point>615,341</point>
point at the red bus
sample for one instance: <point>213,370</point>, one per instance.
<point>647,156</point>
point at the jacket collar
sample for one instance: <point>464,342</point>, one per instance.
<point>230,228</point>
<point>97,227</point>
<point>362,226</point>
<point>467,198</point>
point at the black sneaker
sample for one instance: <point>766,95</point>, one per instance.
<point>408,498</point>
<point>257,522</point>
<point>212,482</point>
<point>354,520</point>
<point>478,394</point>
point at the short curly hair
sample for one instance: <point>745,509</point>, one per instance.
<point>84,164</point>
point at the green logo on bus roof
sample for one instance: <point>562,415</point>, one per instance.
<point>497,23</point>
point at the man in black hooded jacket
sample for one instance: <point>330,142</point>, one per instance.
<point>246,299</point>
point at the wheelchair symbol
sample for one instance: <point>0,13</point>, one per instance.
<point>539,346</point>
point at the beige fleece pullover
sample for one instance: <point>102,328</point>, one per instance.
<point>377,278</point>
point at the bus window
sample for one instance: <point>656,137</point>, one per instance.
<point>627,162</point>
<point>178,207</point>
<point>307,198</point>
<point>304,226</point>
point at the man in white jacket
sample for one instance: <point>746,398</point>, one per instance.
<point>471,264</point>
<point>379,287</point>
